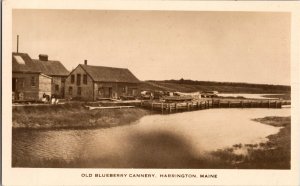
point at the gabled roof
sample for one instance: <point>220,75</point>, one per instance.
<point>50,68</point>
<point>110,74</point>
<point>27,67</point>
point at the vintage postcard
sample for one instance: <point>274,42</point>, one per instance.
<point>150,93</point>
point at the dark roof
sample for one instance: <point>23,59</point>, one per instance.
<point>110,74</point>
<point>27,67</point>
<point>50,68</point>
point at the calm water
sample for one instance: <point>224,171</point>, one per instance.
<point>250,96</point>
<point>153,137</point>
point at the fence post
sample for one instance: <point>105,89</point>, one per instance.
<point>162,108</point>
<point>228,104</point>
<point>269,104</point>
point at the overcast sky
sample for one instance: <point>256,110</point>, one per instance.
<point>157,45</point>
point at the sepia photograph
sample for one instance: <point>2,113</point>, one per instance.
<point>150,94</point>
<point>151,89</point>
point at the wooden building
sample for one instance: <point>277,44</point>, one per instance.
<point>31,78</point>
<point>88,82</point>
<point>56,70</point>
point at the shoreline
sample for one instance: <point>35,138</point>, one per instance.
<point>72,116</point>
<point>272,154</point>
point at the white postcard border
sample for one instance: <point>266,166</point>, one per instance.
<point>46,176</point>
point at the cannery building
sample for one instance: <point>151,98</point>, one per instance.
<point>88,82</point>
<point>31,78</point>
<point>56,70</point>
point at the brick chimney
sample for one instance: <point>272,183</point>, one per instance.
<point>43,57</point>
<point>85,62</point>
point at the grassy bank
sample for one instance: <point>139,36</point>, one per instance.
<point>72,116</point>
<point>150,149</point>
<point>274,154</point>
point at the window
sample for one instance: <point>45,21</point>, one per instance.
<point>33,81</point>
<point>56,88</point>
<point>79,91</point>
<point>72,78</point>
<point>78,79</point>
<point>84,79</point>
<point>70,90</point>
<point>19,60</point>
<point>63,80</point>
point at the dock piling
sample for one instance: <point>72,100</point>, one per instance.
<point>207,104</point>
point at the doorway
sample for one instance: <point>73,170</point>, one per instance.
<point>14,84</point>
<point>107,92</point>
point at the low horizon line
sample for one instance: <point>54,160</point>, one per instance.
<point>235,82</point>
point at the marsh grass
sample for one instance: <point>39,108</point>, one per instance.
<point>72,116</point>
<point>151,150</point>
<point>273,154</point>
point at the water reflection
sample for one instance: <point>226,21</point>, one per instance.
<point>249,96</point>
<point>169,141</point>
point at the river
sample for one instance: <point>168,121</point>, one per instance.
<point>249,96</point>
<point>152,141</point>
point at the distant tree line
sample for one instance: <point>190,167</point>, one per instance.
<point>283,88</point>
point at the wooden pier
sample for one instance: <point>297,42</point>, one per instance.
<point>207,104</point>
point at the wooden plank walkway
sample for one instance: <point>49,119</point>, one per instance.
<point>207,104</point>
<point>111,107</point>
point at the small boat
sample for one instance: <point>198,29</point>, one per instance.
<point>177,98</point>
